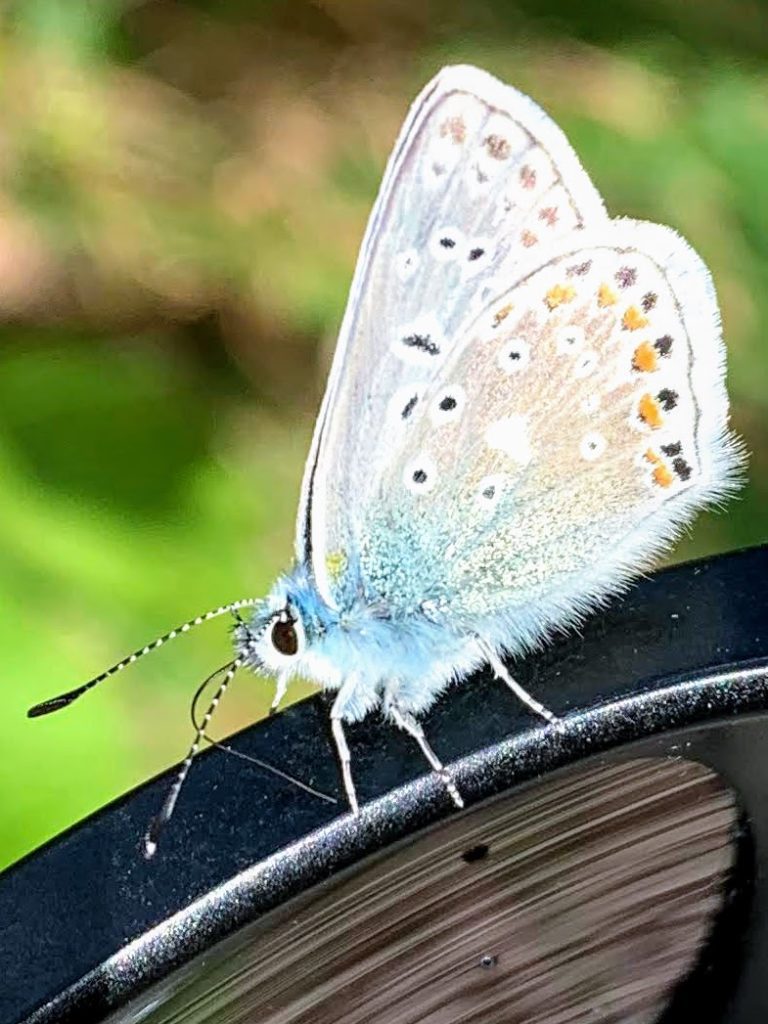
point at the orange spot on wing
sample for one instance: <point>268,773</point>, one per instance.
<point>633,319</point>
<point>650,411</point>
<point>502,314</point>
<point>606,296</point>
<point>558,294</point>
<point>661,474</point>
<point>528,239</point>
<point>645,357</point>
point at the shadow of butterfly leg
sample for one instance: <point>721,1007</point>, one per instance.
<point>409,724</point>
<point>501,672</point>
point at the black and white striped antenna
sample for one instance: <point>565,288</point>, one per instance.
<point>158,823</point>
<point>46,707</point>
<point>63,700</point>
<point>161,819</point>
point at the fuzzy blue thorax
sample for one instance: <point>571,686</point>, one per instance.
<point>413,658</point>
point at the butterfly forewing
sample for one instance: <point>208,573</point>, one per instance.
<point>479,182</point>
<point>578,421</point>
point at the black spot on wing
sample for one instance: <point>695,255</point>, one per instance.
<point>422,342</point>
<point>663,345</point>
<point>682,468</point>
<point>668,399</point>
<point>409,406</point>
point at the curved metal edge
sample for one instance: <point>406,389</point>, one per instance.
<point>674,712</point>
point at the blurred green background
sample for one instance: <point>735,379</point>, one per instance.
<point>183,187</point>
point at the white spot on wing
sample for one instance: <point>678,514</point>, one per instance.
<point>421,342</point>
<point>510,435</point>
<point>420,474</point>
<point>446,244</point>
<point>591,404</point>
<point>457,122</point>
<point>592,446</point>
<point>500,141</point>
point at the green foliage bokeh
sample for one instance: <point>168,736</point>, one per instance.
<point>183,187</point>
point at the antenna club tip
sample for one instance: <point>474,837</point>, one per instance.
<point>45,707</point>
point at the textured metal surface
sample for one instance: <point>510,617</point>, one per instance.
<point>677,667</point>
<point>584,899</point>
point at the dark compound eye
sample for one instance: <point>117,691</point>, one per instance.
<point>285,638</point>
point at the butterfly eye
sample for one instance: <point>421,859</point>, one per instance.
<point>284,637</point>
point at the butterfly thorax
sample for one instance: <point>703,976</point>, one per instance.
<point>295,633</point>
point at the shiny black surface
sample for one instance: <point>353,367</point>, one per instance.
<point>676,667</point>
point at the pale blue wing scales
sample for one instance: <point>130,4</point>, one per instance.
<point>575,427</point>
<point>479,181</point>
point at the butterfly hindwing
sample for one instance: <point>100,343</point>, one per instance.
<point>480,180</point>
<point>578,422</point>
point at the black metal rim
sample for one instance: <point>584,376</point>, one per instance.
<point>680,666</point>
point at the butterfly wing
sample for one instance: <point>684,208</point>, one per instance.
<point>479,180</point>
<point>576,425</point>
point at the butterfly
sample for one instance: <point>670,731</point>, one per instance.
<point>526,405</point>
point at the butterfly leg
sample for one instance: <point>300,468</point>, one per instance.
<point>337,728</point>
<point>280,691</point>
<point>409,724</point>
<point>502,673</point>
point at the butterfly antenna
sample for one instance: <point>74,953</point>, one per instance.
<point>166,811</point>
<point>265,765</point>
<point>64,699</point>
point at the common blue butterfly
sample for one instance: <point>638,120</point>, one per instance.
<point>526,405</point>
